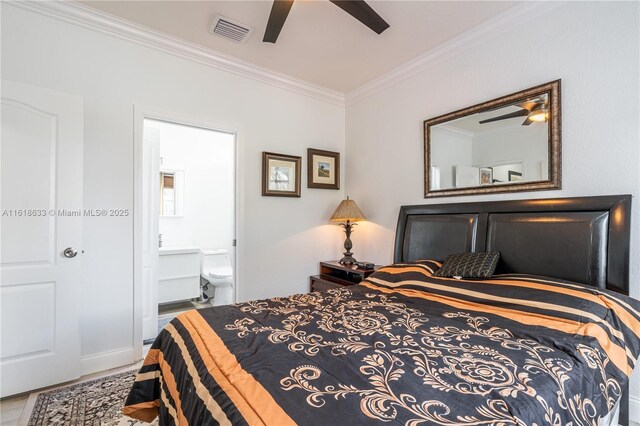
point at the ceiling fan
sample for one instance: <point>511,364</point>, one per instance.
<point>359,9</point>
<point>536,110</point>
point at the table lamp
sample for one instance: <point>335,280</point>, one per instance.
<point>347,213</point>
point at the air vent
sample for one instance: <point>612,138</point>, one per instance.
<point>230,29</point>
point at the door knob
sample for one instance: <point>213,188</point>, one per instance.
<point>70,252</point>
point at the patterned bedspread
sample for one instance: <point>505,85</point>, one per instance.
<point>402,347</point>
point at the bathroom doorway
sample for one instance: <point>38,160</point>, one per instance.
<point>186,256</point>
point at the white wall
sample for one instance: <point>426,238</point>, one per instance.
<point>593,47</point>
<point>206,160</point>
<point>279,247</point>
<point>447,152</point>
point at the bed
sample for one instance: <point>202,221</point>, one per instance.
<point>551,338</point>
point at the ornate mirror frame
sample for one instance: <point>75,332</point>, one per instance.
<point>554,143</point>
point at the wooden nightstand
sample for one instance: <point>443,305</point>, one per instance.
<point>335,275</point>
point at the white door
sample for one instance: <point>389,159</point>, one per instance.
<point>150,209</point>
<point>41,203</point>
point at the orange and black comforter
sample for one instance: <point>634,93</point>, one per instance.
<point>402,347</point>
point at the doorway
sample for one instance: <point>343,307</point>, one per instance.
<point>187,220</point>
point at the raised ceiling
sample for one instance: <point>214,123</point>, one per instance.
<point>319,42</point>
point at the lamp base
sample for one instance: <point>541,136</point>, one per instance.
<point>348,256</point>
<point>347,259</point>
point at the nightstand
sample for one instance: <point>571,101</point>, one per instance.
<point>335,275</point>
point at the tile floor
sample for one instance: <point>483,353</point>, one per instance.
<point>11,408</point>
<point>179,307</point>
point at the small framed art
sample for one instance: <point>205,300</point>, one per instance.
<point>486,176</point>
<point>323,169</point>
<point>280,175</point>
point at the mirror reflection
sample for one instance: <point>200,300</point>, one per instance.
<point>499,145</point>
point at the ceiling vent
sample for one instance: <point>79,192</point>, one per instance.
<point>230,29</point>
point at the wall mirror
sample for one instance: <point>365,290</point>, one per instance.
<point>507,144</point>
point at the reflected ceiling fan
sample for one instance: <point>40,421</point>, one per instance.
<point>536,110</point>
<point>359,9</point>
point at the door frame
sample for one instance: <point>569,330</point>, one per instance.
<point>140,113</point>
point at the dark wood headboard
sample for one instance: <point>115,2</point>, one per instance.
<point>583,239</point>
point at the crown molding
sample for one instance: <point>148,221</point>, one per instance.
<point>83,16</point>
<point>509,19</point>
<point>455,131</point>
<point>86,17</point>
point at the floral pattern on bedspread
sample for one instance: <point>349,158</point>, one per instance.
<point>402,347</point>
<point>446,358</point>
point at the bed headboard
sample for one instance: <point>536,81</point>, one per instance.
<point>583,239</point>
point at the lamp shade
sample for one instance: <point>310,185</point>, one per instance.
<point>347,210</point>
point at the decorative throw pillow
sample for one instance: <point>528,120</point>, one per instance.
<point>469,265</point>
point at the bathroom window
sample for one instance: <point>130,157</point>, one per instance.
<point>171,193</point>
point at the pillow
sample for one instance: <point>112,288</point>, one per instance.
<point>469,265</point>
<point>431,264</point>
<point>398,271</point>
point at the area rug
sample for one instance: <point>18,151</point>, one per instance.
<point>95,402</point>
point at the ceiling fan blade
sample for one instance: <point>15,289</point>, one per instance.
<point>360,10</point>
<point>529,106</point>
<point>527,122</point>
<point>520,113</point>
<point>279,12</point>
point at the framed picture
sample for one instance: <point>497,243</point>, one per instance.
<point>486,176</point>
<point>323,169</point>
<point>514,176</point>
<point>280,175</point>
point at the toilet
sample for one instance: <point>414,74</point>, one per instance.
<point>216,272</point>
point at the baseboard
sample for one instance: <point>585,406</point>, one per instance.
<point>634,409</point>
<point>107,360</point>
